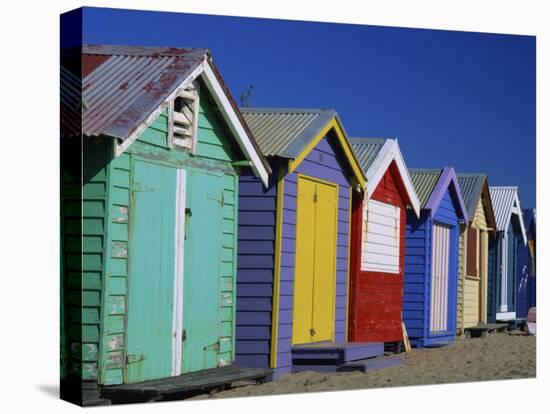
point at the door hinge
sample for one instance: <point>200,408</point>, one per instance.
<point>315,197</point>
<point>312,332</point>
<point>183,335</point>
<point>213,347</point>
<point>132,358</point>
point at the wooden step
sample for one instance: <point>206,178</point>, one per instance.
<point>372,364</point>
<point>482,329</point>
<point>335,353</point>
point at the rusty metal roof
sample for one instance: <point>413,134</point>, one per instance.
<point>366,150</point>
<point>123,85</point>
<point>70,103</point>
<point>285,132</point>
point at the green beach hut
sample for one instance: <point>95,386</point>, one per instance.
<point>151,148</point>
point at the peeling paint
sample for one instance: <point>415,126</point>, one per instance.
<point>116,342</point>
<point>115,360</point>
<point>119,249</point>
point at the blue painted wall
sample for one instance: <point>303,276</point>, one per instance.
<point>255,260</point>
<point>526,272</point>
<point>495,271</point>
<point>493,285</point>
<point>417,279</point>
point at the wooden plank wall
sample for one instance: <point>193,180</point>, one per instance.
<point>326,162</point>
<point>215,151</point>
<point>84,262</point>
<point>418,251</point>
<point>378,296</point>
<point>447,214</point>
<point>255,269</point>
<point>461,277</point>
<point>417,280</point>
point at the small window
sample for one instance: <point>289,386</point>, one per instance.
<point>472,253</point>
<point>184,113</point>
<point>381,235</point>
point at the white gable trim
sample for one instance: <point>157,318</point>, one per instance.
<point>226,109</point>
<point>388,153</point>
<point>516,209</point>
<point>234,123</point>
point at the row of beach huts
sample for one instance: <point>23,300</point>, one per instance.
<point>228,243</point>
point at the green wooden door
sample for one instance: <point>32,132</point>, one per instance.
<point>201,292</point>
<point>152,261</point>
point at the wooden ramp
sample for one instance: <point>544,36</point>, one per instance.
<point>184,385</point>
<point>482,329</point>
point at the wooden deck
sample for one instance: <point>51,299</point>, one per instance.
<point>191,383</point>
<point>482,329</point>
<point>513,324</point>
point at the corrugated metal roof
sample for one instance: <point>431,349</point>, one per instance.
<point>471,186</point>
<point>123,85</point>
<point>70,103</point>
<point>366,150</point>
<point>424,182</point>
<point>503,199</point>
<point>285,132</point>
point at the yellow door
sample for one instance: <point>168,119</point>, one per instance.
<point>315,281</point>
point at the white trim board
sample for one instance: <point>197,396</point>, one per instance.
<point>505,316</point>
<point>226,109</point>
<point>390,152</point>
<point>177,310</point>
<point>516,209</point>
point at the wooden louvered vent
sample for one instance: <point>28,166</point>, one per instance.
<point>184,116</point>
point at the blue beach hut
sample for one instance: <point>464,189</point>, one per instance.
<point>431,258</point>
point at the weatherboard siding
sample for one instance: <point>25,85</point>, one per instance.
<point>152,146</point>
<point>418,253</point>
<point>493,280</point>
<point>323,162</point>
<point>377,297</point>
<point>469,311</point>
<point>461,279</point>
<point>418,270</point>
<point>85,267</point>
<point>255,270</point>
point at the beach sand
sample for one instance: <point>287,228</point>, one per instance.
<point>498,356</point>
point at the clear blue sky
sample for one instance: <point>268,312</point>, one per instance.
<point>451,98</point>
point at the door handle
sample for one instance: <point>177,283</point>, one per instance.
<point>312,332</point>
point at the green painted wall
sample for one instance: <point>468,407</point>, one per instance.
<point>83,215</point>
<point>215,153</point>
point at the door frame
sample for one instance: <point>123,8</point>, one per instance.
<point>179,230</point>
<point>452,279</point>
<point>177,315</point>
<point>337,187</point>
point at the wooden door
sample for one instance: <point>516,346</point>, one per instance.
<point>439,299</point>
<point>201,291</point>
<point>154,281</point>
<point>315,272</point>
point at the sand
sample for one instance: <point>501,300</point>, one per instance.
<point>498,356</point>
